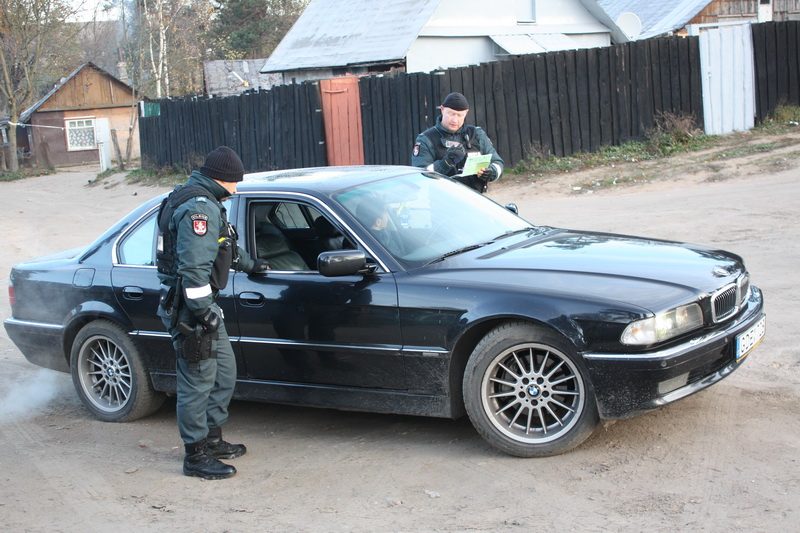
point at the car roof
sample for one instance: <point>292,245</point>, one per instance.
<point>321,180</point>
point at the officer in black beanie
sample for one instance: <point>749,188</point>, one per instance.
<point>196,249</point>
<point>445,146</point>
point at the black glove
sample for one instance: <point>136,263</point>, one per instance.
<point>489,173</point>
<point>260,266</point>
<point>210,320</point>
<point>455,155</point>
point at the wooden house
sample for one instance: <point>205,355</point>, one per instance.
<point>71,124</point>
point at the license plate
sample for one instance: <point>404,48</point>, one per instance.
<point>745,342</point>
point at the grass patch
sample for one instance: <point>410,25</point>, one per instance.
<point>672,135</point>
<point>611,181</point>
<point>743,150</point>
<point>785,119</point>
<point>162,177</point>
<point>24,173</point>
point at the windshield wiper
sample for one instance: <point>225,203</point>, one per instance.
<point>459,251</point>
<point>515,232</point>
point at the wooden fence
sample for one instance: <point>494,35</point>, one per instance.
<point>776,54</point>
<point>280,128</point>
<point>554,103</point>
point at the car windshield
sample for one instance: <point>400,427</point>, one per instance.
<point>422,217</point>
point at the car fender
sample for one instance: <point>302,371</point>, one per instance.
<point>86,312</point>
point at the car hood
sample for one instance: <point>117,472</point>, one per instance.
<point>648,273</point>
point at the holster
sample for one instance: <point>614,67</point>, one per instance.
<point>195,344</point>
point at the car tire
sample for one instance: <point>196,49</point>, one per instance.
<point>109,375</point>
<point>527,392</point>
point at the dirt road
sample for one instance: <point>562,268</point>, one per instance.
<point>726,459</point>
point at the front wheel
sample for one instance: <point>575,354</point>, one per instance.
<point>109,375</point>
<point>527,392</point>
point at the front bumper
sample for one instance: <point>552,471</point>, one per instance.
<point>627,384</point>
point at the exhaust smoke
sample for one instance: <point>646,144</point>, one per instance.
<point>31,394</point>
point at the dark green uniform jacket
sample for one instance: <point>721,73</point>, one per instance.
<point>432,144</point>
<point>198,225</point>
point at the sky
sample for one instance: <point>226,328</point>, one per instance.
<point>87,8</point>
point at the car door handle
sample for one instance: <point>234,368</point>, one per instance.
<point>253,299</point>
<point>132,293</point>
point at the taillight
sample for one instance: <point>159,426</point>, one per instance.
<point>12,298</point>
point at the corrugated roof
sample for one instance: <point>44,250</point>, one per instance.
<point>228,77</point>
<point>337,33</point>
<point>657,18</point>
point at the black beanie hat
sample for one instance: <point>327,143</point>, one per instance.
<point>223,164</point>
<point>456,101</point>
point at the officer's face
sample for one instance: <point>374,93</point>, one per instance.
<point>229,186</point>
<point>452,120</point>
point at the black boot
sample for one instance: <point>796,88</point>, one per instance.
<point>198,462</point>
<point>220,449</point>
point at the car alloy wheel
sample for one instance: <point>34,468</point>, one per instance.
<point>532,393</point>
<point>527,393</point>
<point>105,374</point>
<point>109,374</point>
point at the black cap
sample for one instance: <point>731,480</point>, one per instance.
<point>223,164</point>
<point>456,101</point>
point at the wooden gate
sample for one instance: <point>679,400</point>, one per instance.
<point>341,114</point>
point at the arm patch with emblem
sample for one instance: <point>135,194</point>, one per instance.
<point>199,223</point>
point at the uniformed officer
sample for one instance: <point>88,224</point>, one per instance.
<point>445,146</point>
<point>196,249</point>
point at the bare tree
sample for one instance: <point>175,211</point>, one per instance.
<point>28,30</point>
<point>160,17</point>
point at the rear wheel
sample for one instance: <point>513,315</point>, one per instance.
<point>109,375</point>
<point>527,392</point>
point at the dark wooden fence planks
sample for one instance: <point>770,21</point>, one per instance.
<point>280,128</point>
<point>776,54</point>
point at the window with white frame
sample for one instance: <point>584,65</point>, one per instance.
<point>526,11</point>
<point>80,134</point>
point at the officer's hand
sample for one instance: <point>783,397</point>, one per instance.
<point>455,155</point>
<point>260,266</point>
<point>488,174</point>
<point>210,320</point>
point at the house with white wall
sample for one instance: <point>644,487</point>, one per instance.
<point>340,37</point>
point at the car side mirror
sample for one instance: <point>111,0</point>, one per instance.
<point>343,263</point>
<point>513,208</point>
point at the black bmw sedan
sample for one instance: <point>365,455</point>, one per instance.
<point>395,290</point>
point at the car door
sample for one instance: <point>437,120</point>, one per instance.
<point>298,326</point>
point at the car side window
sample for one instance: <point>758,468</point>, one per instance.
<point>138,247</point>
<point>290,216</point>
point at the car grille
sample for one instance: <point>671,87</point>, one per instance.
<point>730,298</point>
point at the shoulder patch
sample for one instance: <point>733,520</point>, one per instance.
<point>416,149</point>
<point>199,223</point>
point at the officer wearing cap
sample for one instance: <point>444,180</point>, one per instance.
<point>196,249</point>
<point>445,146</point>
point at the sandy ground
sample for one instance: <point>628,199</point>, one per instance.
<point>725,459</point>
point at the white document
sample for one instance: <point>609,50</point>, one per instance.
<point>475,163</point>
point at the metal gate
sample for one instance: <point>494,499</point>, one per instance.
<point>341,112</point>
<point>726,65</point>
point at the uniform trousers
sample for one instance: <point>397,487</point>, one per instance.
<point>204,388</point>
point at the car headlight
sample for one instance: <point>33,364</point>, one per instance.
<point>663,326</point>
